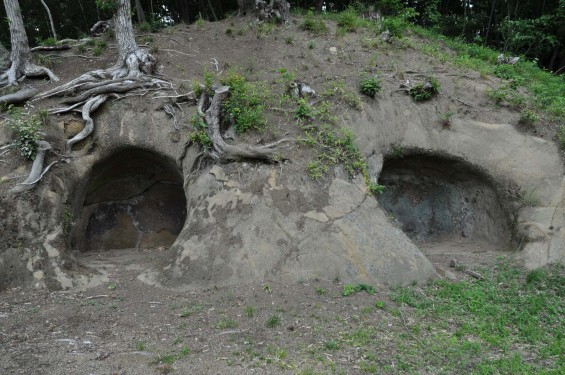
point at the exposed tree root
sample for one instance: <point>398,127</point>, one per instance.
<point>13,74</point>
<point>61,47</point>
<point>210,111</point>
<point>36,174</point>
<point>18,97</point>
<point>90,106</point>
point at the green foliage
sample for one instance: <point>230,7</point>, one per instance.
<point>370,86</point>
<point>389,7</point>
<point>425,91</point>
<point>314,24</point>
<point>27,129</point>
<point>339,92</point>
<point>528,117</point>
<point>348,20</point>
<point>171,358</point>
<point>144,27</point>
<point>547,91</point>
<point>349,289</point>
<point>209,78</point>
<point>108,5</point>
<point>199,21</point>
<point>140,346</point>
<point>250,311</point>
<point>101,46</point>
<point>47,42</point>
<point>198,133</point>
<point>286,76</point>
<point>303,111</point>
<point>225,323</point>
<point>245,105</point>
<point>397,25</point>
<point>375,189</point>
<point>273,321</point>
<point>380,304</point>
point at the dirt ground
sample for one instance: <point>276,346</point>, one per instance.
<point>125,326</point>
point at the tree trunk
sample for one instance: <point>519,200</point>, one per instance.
<point>18,37</point>
<point>50,19</point>
<point>274,10</point>
<point>124,29</point>
<point>20,55</point>
<point>139,12</point>
<point>4,57</point>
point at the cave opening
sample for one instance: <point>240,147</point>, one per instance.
<point>434,199</point>
<point>133,199</point>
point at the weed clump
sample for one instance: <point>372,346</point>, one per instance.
<point>348,20</point>
<point>27,129</point>
<point>314,24</point>
<point>245,103</point>
<point>370,86</point>
<point>426,90</point>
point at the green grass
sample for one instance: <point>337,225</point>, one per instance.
<point>273,321</point>
<point>226,323</point>
<point>245,103</point>
<point>485,325</point>
<point>547,90</point>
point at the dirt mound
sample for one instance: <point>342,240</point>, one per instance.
<point>248,221</point>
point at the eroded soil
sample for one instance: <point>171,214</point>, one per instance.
<point>121,325</point>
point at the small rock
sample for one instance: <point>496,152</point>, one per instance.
<point>333,50</point>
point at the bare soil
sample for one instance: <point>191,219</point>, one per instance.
<point>125,326</point>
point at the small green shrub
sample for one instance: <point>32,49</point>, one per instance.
<point>250,311</point>
<point>426,90</point>
<point>349,289</point>
<point>348,20</point>
<point>144,27</point>
<point>370,86</point>
<point>107,5</point>
<point>199,22</point>
<point>245,105</point>
<point>47,42</point>
<point>314,24</point>
<point>273,321</point>
<point>226,324</point>
<point>209,79</point>
<point>528,117</point>
<point>304,110</point>
<point>27,129</point>
<point>375,189</point>
<point>198,134</point>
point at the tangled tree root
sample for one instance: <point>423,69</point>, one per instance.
<point>13,75</point>
<point>36,169</point>
<point>18,97</point>
<point>95,87</point>
<point>210,111</point>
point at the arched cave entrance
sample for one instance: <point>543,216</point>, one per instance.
<point>133,199</point>
<point>437,199</point>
